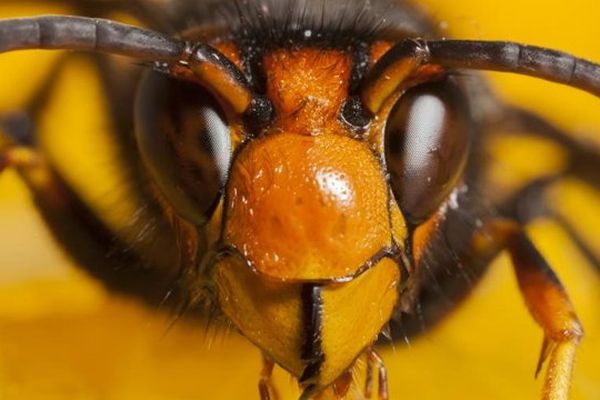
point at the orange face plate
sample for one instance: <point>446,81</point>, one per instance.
<point>307,207</point>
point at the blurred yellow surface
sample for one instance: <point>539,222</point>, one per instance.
<point>63,337</point>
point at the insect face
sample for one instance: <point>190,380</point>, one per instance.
<point>306,217</point>
<point>315,190</point>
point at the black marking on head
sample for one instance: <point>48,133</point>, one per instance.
<point>360,64</point>
<point>328,20</point>
<point>312,352</point>
<point>258,115</point>
<point>276,23</point>
<point>355,115</point>
<point>272,24</point>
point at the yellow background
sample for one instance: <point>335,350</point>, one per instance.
<point>63,337</point>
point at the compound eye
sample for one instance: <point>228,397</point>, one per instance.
<point>426,145</point>
<point>184,142</point>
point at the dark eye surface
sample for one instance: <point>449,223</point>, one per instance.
<point>426,144</point>
<point>185,143</point>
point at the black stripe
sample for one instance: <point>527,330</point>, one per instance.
<point>312,352</point>
<point>360,64</point>
<point>93,246</point>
